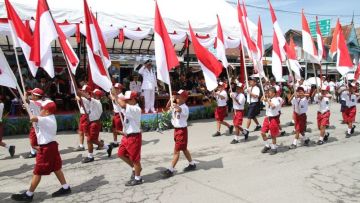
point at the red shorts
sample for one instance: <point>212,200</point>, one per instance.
<point>350,113</point>
<point>47,159</point>
<point>1,131</point>
<point>84,124</point>
<point>238,118</point>
<point>94,130</point>
<point>131,147</point>
<point>116,123</point>
<point>181,139</point>
<point>32,137</point>
<point>271,124</point>
<point>300,122</point>
<point>323,119</point>
<point>220,113</point>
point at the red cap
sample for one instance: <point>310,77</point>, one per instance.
<point>183,93</point>
<point>98,92</point>
<point>86,88</point>
<point>49,105</point>
<point>38,92</point>
<point>118,86</point>
<point>129,95</point>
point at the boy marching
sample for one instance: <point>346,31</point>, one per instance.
<point>253,94</point>
<point>116,120</point>
<point>238,106</point>
<point>323,115</point>
<point>84,118</point>
<point>221,109</point>
<point>350,110</point>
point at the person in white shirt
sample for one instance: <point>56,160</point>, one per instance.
<point>350,111</point>
<point>343,93</point>
<point>130,147</point>
<point>253,94</point>
<point>11,148</point>
<point>48,159</point>
<point>239,100</point>
<point>84,117</point>
<point>180,114</point>
<point>332,86</point>
<point>300,104</point>
<point>149,85</point>
<point>117,125</point>
<point>96,110</point>
<point>135,84</point>
<point>271,121</point>
<point>323,115</point>
<point>221,97</point>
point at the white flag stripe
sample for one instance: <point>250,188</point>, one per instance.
<point>160,56</point>
<point>221,52</point>
<point>7,77</point>
<point>210,77</point>
<point>276,66</point>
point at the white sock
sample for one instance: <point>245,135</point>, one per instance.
<point>321,138</point>
<point>236,137</point>
<point>192,163</point>
<point>137,177</point>
<point>66,186</point>
<point>116,142</point>
<point>81,145</point>
<point>273,146</point>
<point>349,130</point>
<point>32,151</point>
<point>245,130</point>
<point>90,155</point>
<point>266,143</point>
<point>171,169</point>
<point>295,142</point>
<point>28,193</point>
<point>106,146</point>
<point>258,125</point>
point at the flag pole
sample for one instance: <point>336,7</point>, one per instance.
<point>19,69</point>
<point>316,82</point>
<point>245,69</point>
<point>290,72</point>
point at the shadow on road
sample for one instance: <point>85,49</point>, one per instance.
<point>154,141</point>
<point>90,185</point>
<point>13,172</point>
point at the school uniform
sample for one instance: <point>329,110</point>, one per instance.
<point>238,106</point>
<point>84,118</point>
<point>253,109</point>
<point>94,118</point>
<point>131,142</point>
<point>300,109</point>
<point>221,109</point>
<point>281,101</point>
<point>179,121</point>
<point>350,111</point>
<point>323,115</point>
<point>35,107</point>
<point>116,120</point>
<point>271,121</point>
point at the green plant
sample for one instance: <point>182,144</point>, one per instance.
<point>10,128</point>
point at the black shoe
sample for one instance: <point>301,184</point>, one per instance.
<point>307,142</point>
<point>246,135</point>
<point>283,133</point>
<point>217,134</point>
<point>87,160</point>
<point>61,192</point>
<point>273,151</point>
<point>292,146</point>
<point>109,150</point>
<point>167,173</point>
<point>234,141</point>
<point>80,149</point>
<point>23,197</point>
<point>320,142</point>
<point>291,124</point>
<point>190,167</point>
<point>114,145</point>
<point>134,182</point>
<point>12,150</point>
<point>326,137</point>
<point>98,147</point>
<point>258,127</point>
<point>353,129</point>
<point>31,155</point>
<point>265,149</point>
<point>347,135</point>
<point>231,129</point>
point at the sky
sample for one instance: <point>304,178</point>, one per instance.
<point>293,21</point>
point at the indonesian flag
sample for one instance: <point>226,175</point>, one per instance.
<point>260,39</point>
<point>245,36</point>
<point>279,34</point>
<point>357,72</point>
<point>44,33</point>
<point>293,62</point>
<point>7,77</point>
<point>307,41</point>
<point>20,35</point>
<point>320,42</point>
<point>95,51</point>
<point>334,43</point>
<point>220,45</point>
<point>276,59</point>
<point>209,64</point>
<point>344,63</point>
<point>165,55</point>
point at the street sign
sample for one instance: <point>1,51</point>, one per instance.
<point>324,28</point>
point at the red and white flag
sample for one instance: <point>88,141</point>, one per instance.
<point>95,50</point>
<point>279,34</point>
<point>165,54</point>
<point>294,63</point>
<point>246,40</point>
<point>220,45</point>
<point>334,41</point>
<point>20,35</point>
<point>357,72</point>
<point>320,42</point>
<point>343,63</point>
<point>307,41</point>
<point>260,39</point>
<point>209,64</point>
<point>7,77</point>
<point>44,33</point>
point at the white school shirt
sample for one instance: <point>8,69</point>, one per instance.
<point>132,119</point>
<point>179,120</point>
<point>351,100</point>
<point>239,101</point>
<point>135,86</point>
<point>254,90</point>
<point>86,105</point>
<point>300,105</point>
<point>1,111</point>
<point>149,79</point>
<point>222,102</point>
<point>35,107</point>
<point>324,104</point>
<point>46,128</point>
<point>281,101</point>
<point>332,86</point>
<point>116,107</point>
<point>95,109</point>
<point>271,112</point>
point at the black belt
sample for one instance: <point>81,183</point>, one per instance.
<point>43,145</point>
<point>180,128</point>
<point>238,110</point>
<point>132,134</point>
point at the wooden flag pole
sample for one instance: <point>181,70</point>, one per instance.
<point>290,72</point>
<point>245,69</point>
<point>19,69</point>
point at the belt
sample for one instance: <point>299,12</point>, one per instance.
<point>323,113</point>
<point>180,128</point>
<point>221,106</point>
<point>95,121</point>
<point>238,110</point>
<point>300,114</point>
<point>43,145</point>
<point>132,134</point>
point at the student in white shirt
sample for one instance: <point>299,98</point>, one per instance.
<point>221,97</point>
<point>180,114</point>
<point>350,111</point>
<point>11,148</point>
<point>84,118</point>
<point>253,94</point>
<point>149,85</point>
<point>130,148</point>
<point>117,125</point>
<point>239,100</point>
<point>48,159</point>
<point>271,121</point>
<point>323,115</point>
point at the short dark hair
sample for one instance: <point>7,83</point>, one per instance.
<point>272,89</point>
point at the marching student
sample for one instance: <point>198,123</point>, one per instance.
<point>271,121</point>
<point>253,94</point>
<point>84,118</point>
<point>96,110</point>
<point>11,148</point>
<point>300,104</point>
<point>48,158</point>
<point>116,120</point>
<point>281,101</point>
<point>180,114</point>
<point>323,115</point>
<point>130,147</point>
<point>238,106</point>
<point>221,109</point>
<point>350,110</point>
<point>343,93</point>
